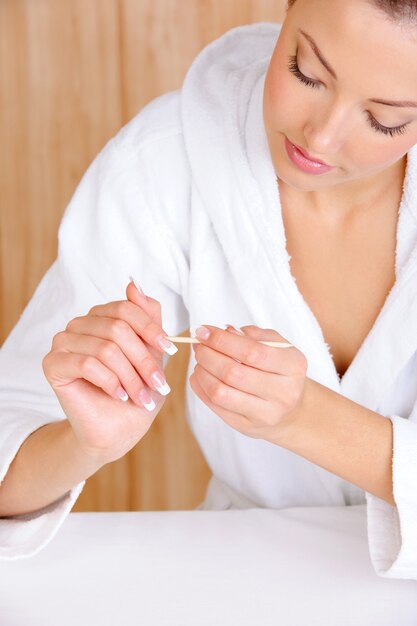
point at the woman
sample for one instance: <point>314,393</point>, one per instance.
<point>276,192</point>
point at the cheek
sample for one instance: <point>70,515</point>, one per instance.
<point>287,103</point>
<point>372,155</point>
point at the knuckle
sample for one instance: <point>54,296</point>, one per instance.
<point>218,393</point>
<point>234,374</point>
<point>107,350</point>
<point>58,339</point>
<point>72,323</point>
<point>119,328</point>
<point>254,355</point>
<point>88,364</point>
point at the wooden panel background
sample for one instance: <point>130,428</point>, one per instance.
<point>72,72</point>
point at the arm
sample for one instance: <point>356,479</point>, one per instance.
<point>344,438</point>
<point>49,463</point>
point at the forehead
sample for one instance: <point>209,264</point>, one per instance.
<point>363,45</point>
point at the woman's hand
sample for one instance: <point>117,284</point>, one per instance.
<point>97,359</point>
<point>254,388</point>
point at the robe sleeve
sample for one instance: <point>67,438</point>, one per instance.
<point>119,222</point>
<point>392,530</point>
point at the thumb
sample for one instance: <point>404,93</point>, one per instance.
<point>152,307</point>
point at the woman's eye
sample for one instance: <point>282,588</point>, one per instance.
<point>294,69</point>
<point>315,84</point>
<point>386,130</point>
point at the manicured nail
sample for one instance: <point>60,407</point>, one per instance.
<point>161,384</point>
<point>138,287</point>
<point>146,400</point>
<point>239,332</point>
<point>121,393</point>
<point>202,332</point>
<point>166,345</point>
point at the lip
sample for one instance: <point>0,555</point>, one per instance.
<point>303,160</point>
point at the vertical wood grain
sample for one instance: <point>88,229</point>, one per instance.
<point>72,72</point>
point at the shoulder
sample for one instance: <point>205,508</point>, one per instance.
<point>151,143</point>
<point>158,121</point>
<point>237,49</point>
<point>144,167</point>
<point>139,180</point>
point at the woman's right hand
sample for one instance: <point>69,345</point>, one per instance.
<point>112,349</point>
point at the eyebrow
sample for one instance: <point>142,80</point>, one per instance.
<point>326,64</point>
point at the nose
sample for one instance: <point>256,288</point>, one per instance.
<point>328,129</point>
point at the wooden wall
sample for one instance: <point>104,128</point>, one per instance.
<point>72,72</point>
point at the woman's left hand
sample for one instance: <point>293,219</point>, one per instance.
<point>255,389</point>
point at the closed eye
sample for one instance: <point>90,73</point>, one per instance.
<point>315,84</point>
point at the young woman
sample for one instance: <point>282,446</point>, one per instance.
<point>277,192</point>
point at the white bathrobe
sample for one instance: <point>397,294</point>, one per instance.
<point>185,198</point>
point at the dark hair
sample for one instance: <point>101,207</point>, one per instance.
<point>398,10</point>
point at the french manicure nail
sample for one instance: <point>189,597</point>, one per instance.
<point>161,384</point>
<point>239,332</point>
<point>121,393</point>
<point>138,287</point>
<point>167,346</point>
<point>202,332</point>
<point>146,400</point>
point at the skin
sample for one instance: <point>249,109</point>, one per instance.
<point>377,60</point>
<point>261,391</point>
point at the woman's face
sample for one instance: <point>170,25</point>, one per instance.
<point>331,112</point>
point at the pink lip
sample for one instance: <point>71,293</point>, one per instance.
<point>308,157</point>
<point>303,160</point>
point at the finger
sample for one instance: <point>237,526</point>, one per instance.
<point>240,376</point>
<point>121,333</point>
<point>262,334</point>
<point>68,367</point>
<point>235,420</point>
<point>139,320</point>
<point>253,353</point>
<point>109,353</point>
<point>152,307</point>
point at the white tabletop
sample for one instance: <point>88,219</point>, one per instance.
<point>292,567</point>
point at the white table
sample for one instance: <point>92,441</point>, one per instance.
<point>293,567</point>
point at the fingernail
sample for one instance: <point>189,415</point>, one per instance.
<point>166,345</point>
<point>146,400</point>
<point>161,384</point>
<point>121,393</point>
<point>202,332</point>
<point>138,287</point>
<point>239,332</point>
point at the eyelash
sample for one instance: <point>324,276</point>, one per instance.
<point>309,82</point>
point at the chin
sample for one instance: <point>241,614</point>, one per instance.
<point>301,181</point>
